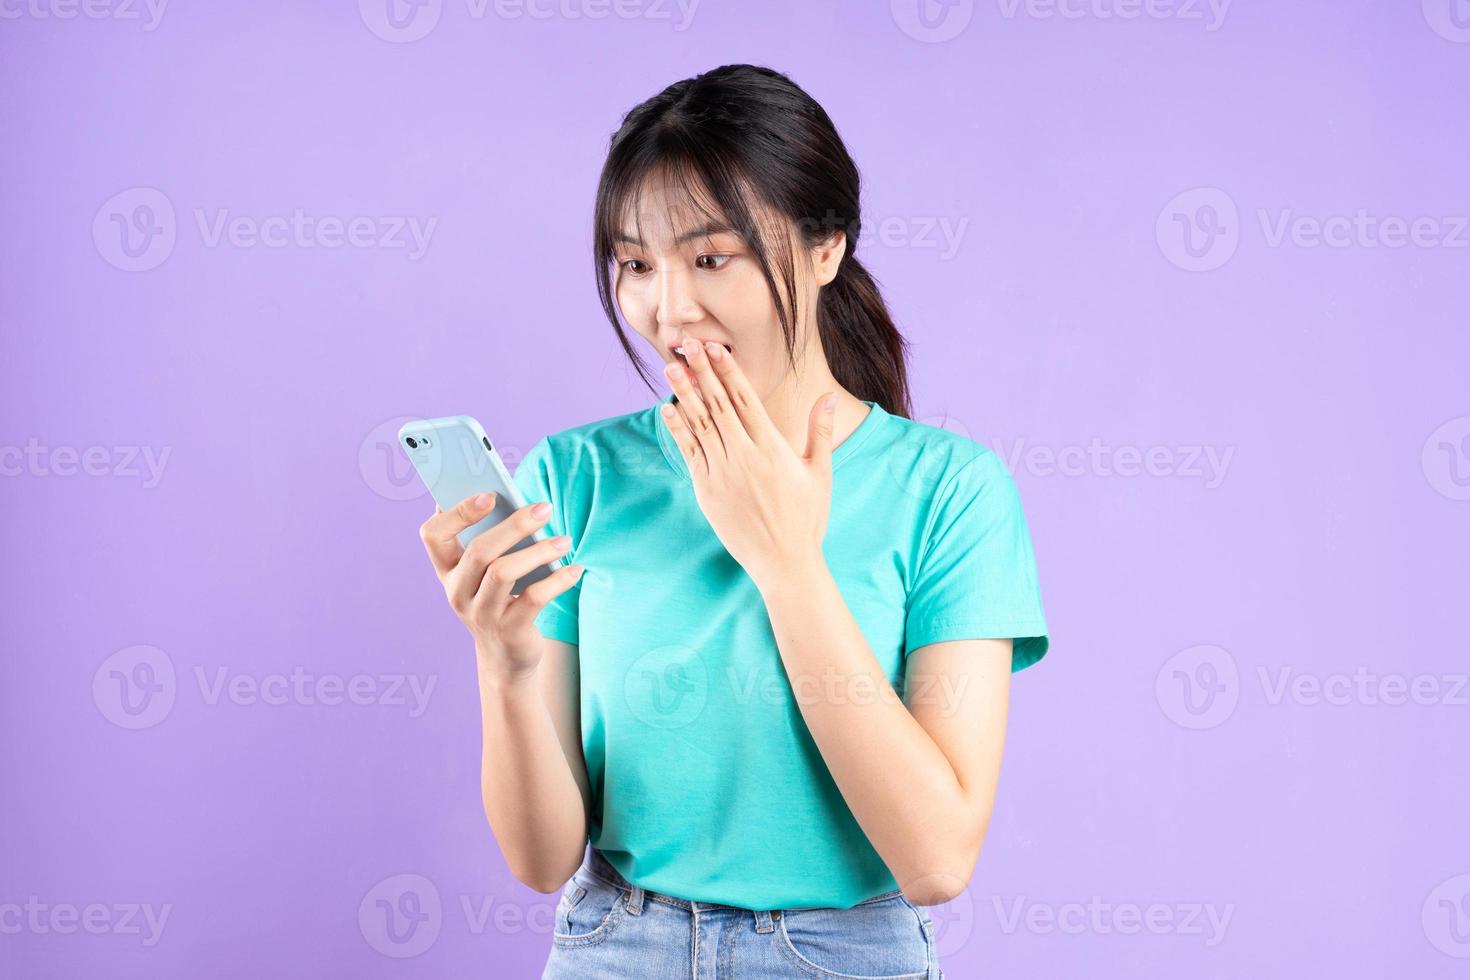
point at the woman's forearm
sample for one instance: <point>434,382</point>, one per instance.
<point>900,786</point>
<point>531,798</point>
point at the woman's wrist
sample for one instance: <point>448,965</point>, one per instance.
<point>496,674</point>
<point>793,575</point>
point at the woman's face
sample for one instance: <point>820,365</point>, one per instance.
<point>689,274</point>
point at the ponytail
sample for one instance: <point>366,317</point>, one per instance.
<point>864,349</point>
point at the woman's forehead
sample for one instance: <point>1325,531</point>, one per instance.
<point>668,213</point>
<point>669,208</point>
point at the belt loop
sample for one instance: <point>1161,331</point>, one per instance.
<point>634,898</point>
<point>763,921</point>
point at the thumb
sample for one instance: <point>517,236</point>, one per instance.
<point>819,430</point>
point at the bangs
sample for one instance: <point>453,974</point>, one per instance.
<point>700,195</point>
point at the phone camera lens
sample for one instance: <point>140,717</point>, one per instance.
<point>412,442</point>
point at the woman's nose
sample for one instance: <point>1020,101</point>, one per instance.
<point>677,303</point>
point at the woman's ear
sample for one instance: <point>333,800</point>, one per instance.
<point>827,257</point>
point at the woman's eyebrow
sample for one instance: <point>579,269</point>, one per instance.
<point>708,231</point>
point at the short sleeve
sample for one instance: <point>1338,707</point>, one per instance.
<point>536,478</point>
<point>976,575</point>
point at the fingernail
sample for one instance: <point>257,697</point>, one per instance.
<point>830,404</point>
<point>562,543</point>
<point>481,501</point>
<point>541,510</point>
<point>715,350</point>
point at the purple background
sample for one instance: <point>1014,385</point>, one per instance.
<point>1148,761</point>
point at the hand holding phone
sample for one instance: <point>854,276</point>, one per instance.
<point>487,546</point>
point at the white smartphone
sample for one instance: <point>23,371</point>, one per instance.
<point>454,458</point>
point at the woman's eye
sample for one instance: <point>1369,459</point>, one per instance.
<point>632,262</point>
<point>721,264</point>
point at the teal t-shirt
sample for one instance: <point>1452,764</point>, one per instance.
<point>706,783</point>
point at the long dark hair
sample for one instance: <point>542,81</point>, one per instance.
<point>742,129</point>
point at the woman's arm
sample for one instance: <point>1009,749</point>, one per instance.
<point>533,779</point>
<point>920,778</point>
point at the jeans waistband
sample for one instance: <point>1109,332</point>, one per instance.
<point>599,865</point>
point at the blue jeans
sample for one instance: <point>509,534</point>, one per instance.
<point>607,927</point>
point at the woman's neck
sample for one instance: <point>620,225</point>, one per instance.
<point>790,405</point>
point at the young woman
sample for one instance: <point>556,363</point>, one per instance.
<point>772,691</point>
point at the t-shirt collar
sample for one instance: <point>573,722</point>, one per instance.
<point>871,422</point>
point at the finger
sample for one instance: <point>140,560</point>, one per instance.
<point>511,567</point>
<point>524,608</point>
<point>692,405</point>
<point>438,532</point>
<point>758,425</point>
<point>819,431</point>
<point>463,581</point>
<point>501,537</point>
<point>688,445</point>
<point>712,391</point>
